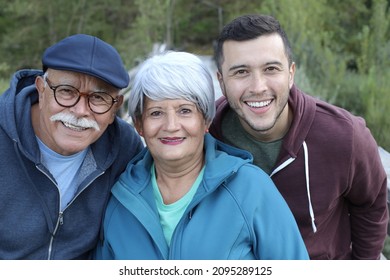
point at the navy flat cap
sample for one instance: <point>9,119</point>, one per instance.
<point>89,55</point>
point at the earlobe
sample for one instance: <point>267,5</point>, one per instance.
<point>120,99</point>
<point>207,127</point>
<point>291,74</point>
<point>40,85</point>
<point>138,127</point>
<point>221,84</point>
<point>116,107</point>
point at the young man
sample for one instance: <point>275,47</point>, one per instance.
<point>323,159</point>
<point>62,148</point>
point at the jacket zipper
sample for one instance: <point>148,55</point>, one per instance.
<point>188,216</point>
<point>60,220</point>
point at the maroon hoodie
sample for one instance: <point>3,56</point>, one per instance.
<point>330,173</point>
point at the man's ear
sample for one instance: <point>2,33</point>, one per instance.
<point>40,86</point>
<point>119,103</point>
<point>221,84</point>
<point>116,107</point>
<point>291,74</point>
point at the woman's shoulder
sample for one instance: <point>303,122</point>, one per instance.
<point>251,179</point>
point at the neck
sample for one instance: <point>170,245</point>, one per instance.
<point>175,181</point>
<point>277,132</point>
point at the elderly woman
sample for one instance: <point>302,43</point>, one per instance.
<point>188,196</point>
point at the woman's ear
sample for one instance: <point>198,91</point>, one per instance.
<point>138,127</point>
<point>207,127</point>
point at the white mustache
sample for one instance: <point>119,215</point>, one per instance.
<point>72,120</point>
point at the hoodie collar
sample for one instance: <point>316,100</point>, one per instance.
<point>303,116</point>
<point>218,158</point>
<point>303,109</point>
<point>15,119</point>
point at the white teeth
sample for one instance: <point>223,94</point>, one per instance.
<point>259,104</point>
<point>77,128</point>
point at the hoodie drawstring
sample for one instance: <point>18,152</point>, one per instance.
<point>306,156</point>
<point>290,160</point>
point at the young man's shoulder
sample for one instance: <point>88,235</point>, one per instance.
<point>334,115</point>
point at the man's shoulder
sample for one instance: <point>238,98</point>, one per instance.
<point>340,115</point>
<point>324,110</point>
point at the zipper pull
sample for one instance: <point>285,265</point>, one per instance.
<point>61,218</point>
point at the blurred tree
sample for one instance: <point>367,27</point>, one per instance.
<point>341,48</point>
<point>28,27</point>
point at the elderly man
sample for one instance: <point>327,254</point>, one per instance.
<point>62,148</point>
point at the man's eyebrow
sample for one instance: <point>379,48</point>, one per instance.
<point>274,62</point>
<point>234,67</point>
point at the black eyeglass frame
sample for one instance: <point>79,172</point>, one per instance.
<point>86,94</point>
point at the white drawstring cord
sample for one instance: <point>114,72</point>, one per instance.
<point>308,186</point>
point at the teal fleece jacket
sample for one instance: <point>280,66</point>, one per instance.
<point>236,213</point>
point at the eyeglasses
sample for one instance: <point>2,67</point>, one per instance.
<point>68,96</point>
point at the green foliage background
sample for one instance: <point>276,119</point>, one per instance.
<point>342,48</point>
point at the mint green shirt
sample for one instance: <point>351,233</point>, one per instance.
<point>170,214</point>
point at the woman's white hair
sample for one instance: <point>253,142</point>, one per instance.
<point>173,75</point>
